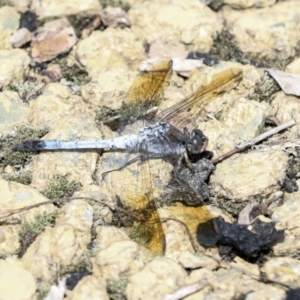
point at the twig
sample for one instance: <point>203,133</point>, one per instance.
<point>187,290</point>
<point>9,212</point>
<point>254,141</point>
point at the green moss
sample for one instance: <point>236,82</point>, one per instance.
<point>225,48</point>
<point>265,89</point>
<point>30,231</point>
<point>22,176</point>
<point>103,115</point>
<point>123,4</point>
<point>79,22</point>
<point>81,264</point>
<point>14,157</point>
<point>6,2</point>
<point>74,75</point>
<point>215,5</point>
<point>27,90</point>
<point>116,289</point>
<point>60,187</point>
<point>42,291</point>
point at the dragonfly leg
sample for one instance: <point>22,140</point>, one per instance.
<point>123,166</point>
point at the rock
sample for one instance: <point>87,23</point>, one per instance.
<point>254,174</point>
<point>287,108</point>
<point>286,216</point>
<point>14,274</point>
<point>294,66</point>
<point>14,196</point>
<point>191,23</point>
<point>52,8</point>
<point>21,6</point>
<point>103,214</point>
<point>239,121</point>
<point>9,23</point>
<point>53,38</point>
<point>114,17</point>
<point>107,235</point>
<point>96,22</point>
<point>12,111</point>
<point>14,66</point>
<point>118,260</point>
<point>158,278</point>
<point>61,245</point>
<point>162,49</point>
<point>226,284</point>
<point>53,73</point>
<point>196,260</point>
<point>271,32</point>
<point>21,37</point>
<point>284,270</point>
<point>108,88</point>
<point>69,109</point>
<point>88,288</point>
<point>101,51</point>
<point>9,239</point>
<point>242,4</point>
<point>57,291</point>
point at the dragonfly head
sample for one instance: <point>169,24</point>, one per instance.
<point>197,142</point>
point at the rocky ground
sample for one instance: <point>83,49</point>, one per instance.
<point>65,66</point>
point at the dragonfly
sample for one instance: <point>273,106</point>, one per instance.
<point>159,140</point>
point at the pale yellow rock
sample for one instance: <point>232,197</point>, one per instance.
<point>88,288</point>
<point>287,108</point>
<point>283,269</point>
<point>107,235</point>
<point>118,260</point>
<point>14,196</point>
<point>9,239</point>
<point>61,245</point>
<point>242,4</point>
<point>14,66</point>
<point>177,239</point>
<point>197,260</point>
<point>108,88</point>
<point>249,175</point>
<point>55,8</point>
<point>101,50</point>
<point>293,67</point>
<point>77,213</point>
<point>159,277</point>
<point>9,23</point>
<point>16,282</point>
<point>188,22</point>
<point>286,216</point>
<point>103,209</point>
<point>246,267</point>
<point>21,6</point>
<point>240,120</point>
<point>271,32</point>
<point>12,111</point>
<point>228,284</point>
<point>55,109</point>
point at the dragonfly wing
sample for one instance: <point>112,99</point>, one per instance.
<point>189,208</point>
<point>143,182</point>
<point>220,83</point>
<point>146,91</point>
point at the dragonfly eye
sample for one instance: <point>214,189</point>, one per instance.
<point>197,143</point>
